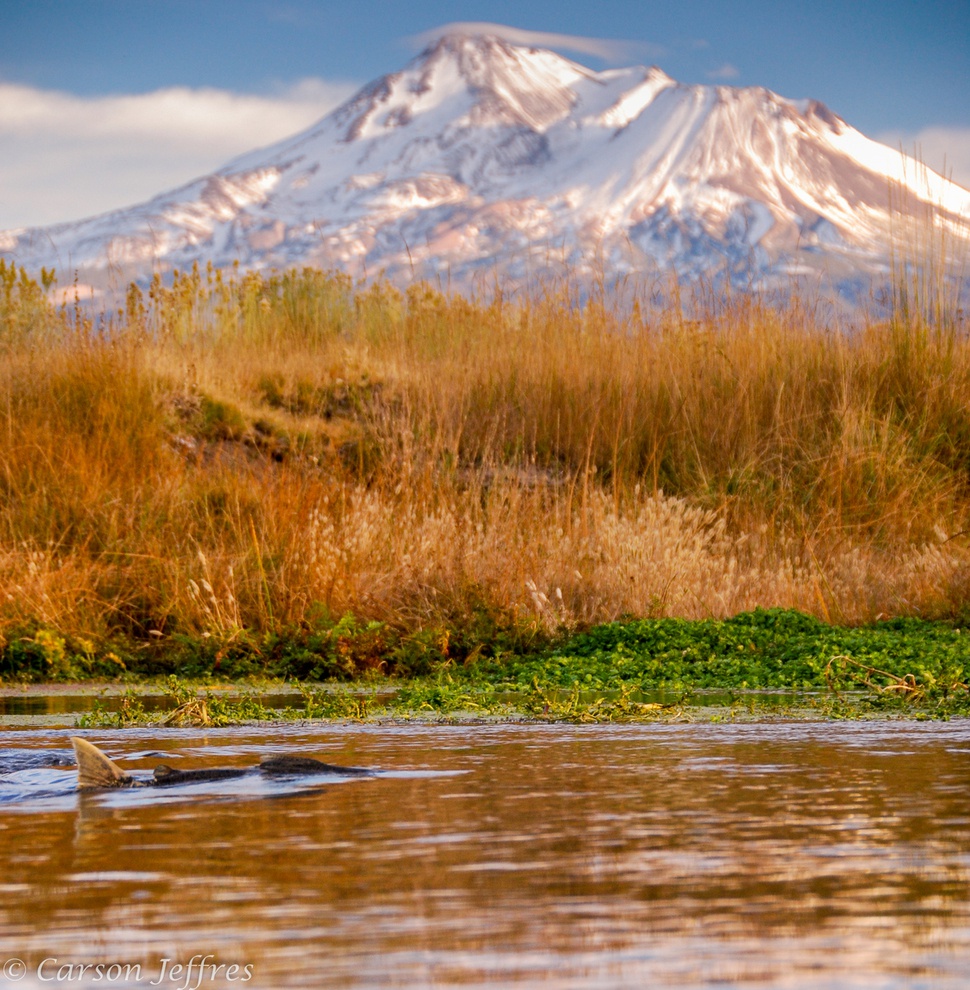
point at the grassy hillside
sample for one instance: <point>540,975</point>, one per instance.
<point>249,458</point>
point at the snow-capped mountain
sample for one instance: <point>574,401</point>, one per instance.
<point>484,157</point>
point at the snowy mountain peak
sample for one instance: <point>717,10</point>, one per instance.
<point>491,64</point>
<point>480,77</point>
<point>481,155</point>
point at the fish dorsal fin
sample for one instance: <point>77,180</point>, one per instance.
<point>94,769</point>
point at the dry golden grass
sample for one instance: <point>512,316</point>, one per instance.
<point>240,453</point>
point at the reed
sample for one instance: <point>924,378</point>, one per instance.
<point>236,454</point>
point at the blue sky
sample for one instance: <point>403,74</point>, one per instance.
<point>106,102</point>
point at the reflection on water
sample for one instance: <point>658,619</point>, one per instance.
<point>33,703</point>
<point>764,855</point>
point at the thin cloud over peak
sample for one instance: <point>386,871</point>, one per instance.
<point>608,49</point>
<point>726,71</point>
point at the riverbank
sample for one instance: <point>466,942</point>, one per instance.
<point>289,477</point>
<point>762,663</point>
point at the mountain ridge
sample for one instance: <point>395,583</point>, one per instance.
<point>482,157</point>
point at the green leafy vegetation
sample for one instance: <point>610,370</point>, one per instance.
<point>765,649</point>
<point>769,660</point>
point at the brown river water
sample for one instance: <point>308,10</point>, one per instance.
<point>769,855</point>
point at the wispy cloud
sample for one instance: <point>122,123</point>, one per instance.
<point>608,49</point>
<point>67,156</point>
<point>286,13</point>
<point>726,71</point>
<point>944,149</point>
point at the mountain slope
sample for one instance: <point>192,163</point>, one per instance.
<point>481,157</point>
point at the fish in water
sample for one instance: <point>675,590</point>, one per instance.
<point>96,770</point>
